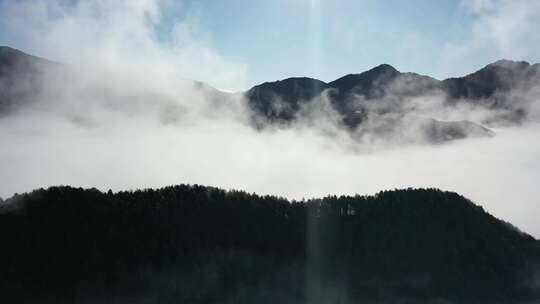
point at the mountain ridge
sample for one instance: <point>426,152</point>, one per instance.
<point>364,102</point>
<point>382,90</point>
<point>383,66</point>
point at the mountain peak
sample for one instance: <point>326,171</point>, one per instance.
<point>509,64</point>
<point>384,68</point>
<point>383,73</point>
<point>299,80</point>
<point>291,91</point>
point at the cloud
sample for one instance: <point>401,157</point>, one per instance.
<point>500,29</point>
<point>500,173</point>
<point>120,34</point>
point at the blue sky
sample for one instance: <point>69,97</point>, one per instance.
<point>327,39</point>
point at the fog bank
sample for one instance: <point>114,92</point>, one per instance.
<point>499,173</point>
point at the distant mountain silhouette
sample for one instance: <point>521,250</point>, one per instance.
<point>501,76</point>
<point>361,100</point>
<point>12,61</point>
<point>21,78</point>
<point>194,244</point>
<point>368,83</point>
<point>490,82</point>
<point>492,88</point>
<point>281,100</point>
<point>385,90</point>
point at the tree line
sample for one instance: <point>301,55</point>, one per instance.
<point>197,244</point>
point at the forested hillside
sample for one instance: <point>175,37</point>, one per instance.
<point>195,244</point>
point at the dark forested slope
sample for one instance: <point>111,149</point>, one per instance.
<point>195,244</point>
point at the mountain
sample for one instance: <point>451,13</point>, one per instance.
<point>504,85</point>
<point>369,83</point>
<point>498,77</point>
<point>487,88</point>
<point>505,88</point>
<point>195,244</point>
<point>14,62</point>
<point>382,98</point>
<point>279,101</point>
<point>21,78</point>
<point>284,98</point>
<point>28,81</point>
<point>375,102</point>
<point>441,131</point>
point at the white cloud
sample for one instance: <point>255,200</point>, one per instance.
<point>500,29</point>
<point>119,34</point>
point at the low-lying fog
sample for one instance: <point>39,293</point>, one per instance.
<point>500,173</point>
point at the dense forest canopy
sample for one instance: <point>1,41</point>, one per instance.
<point>196,244</point>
